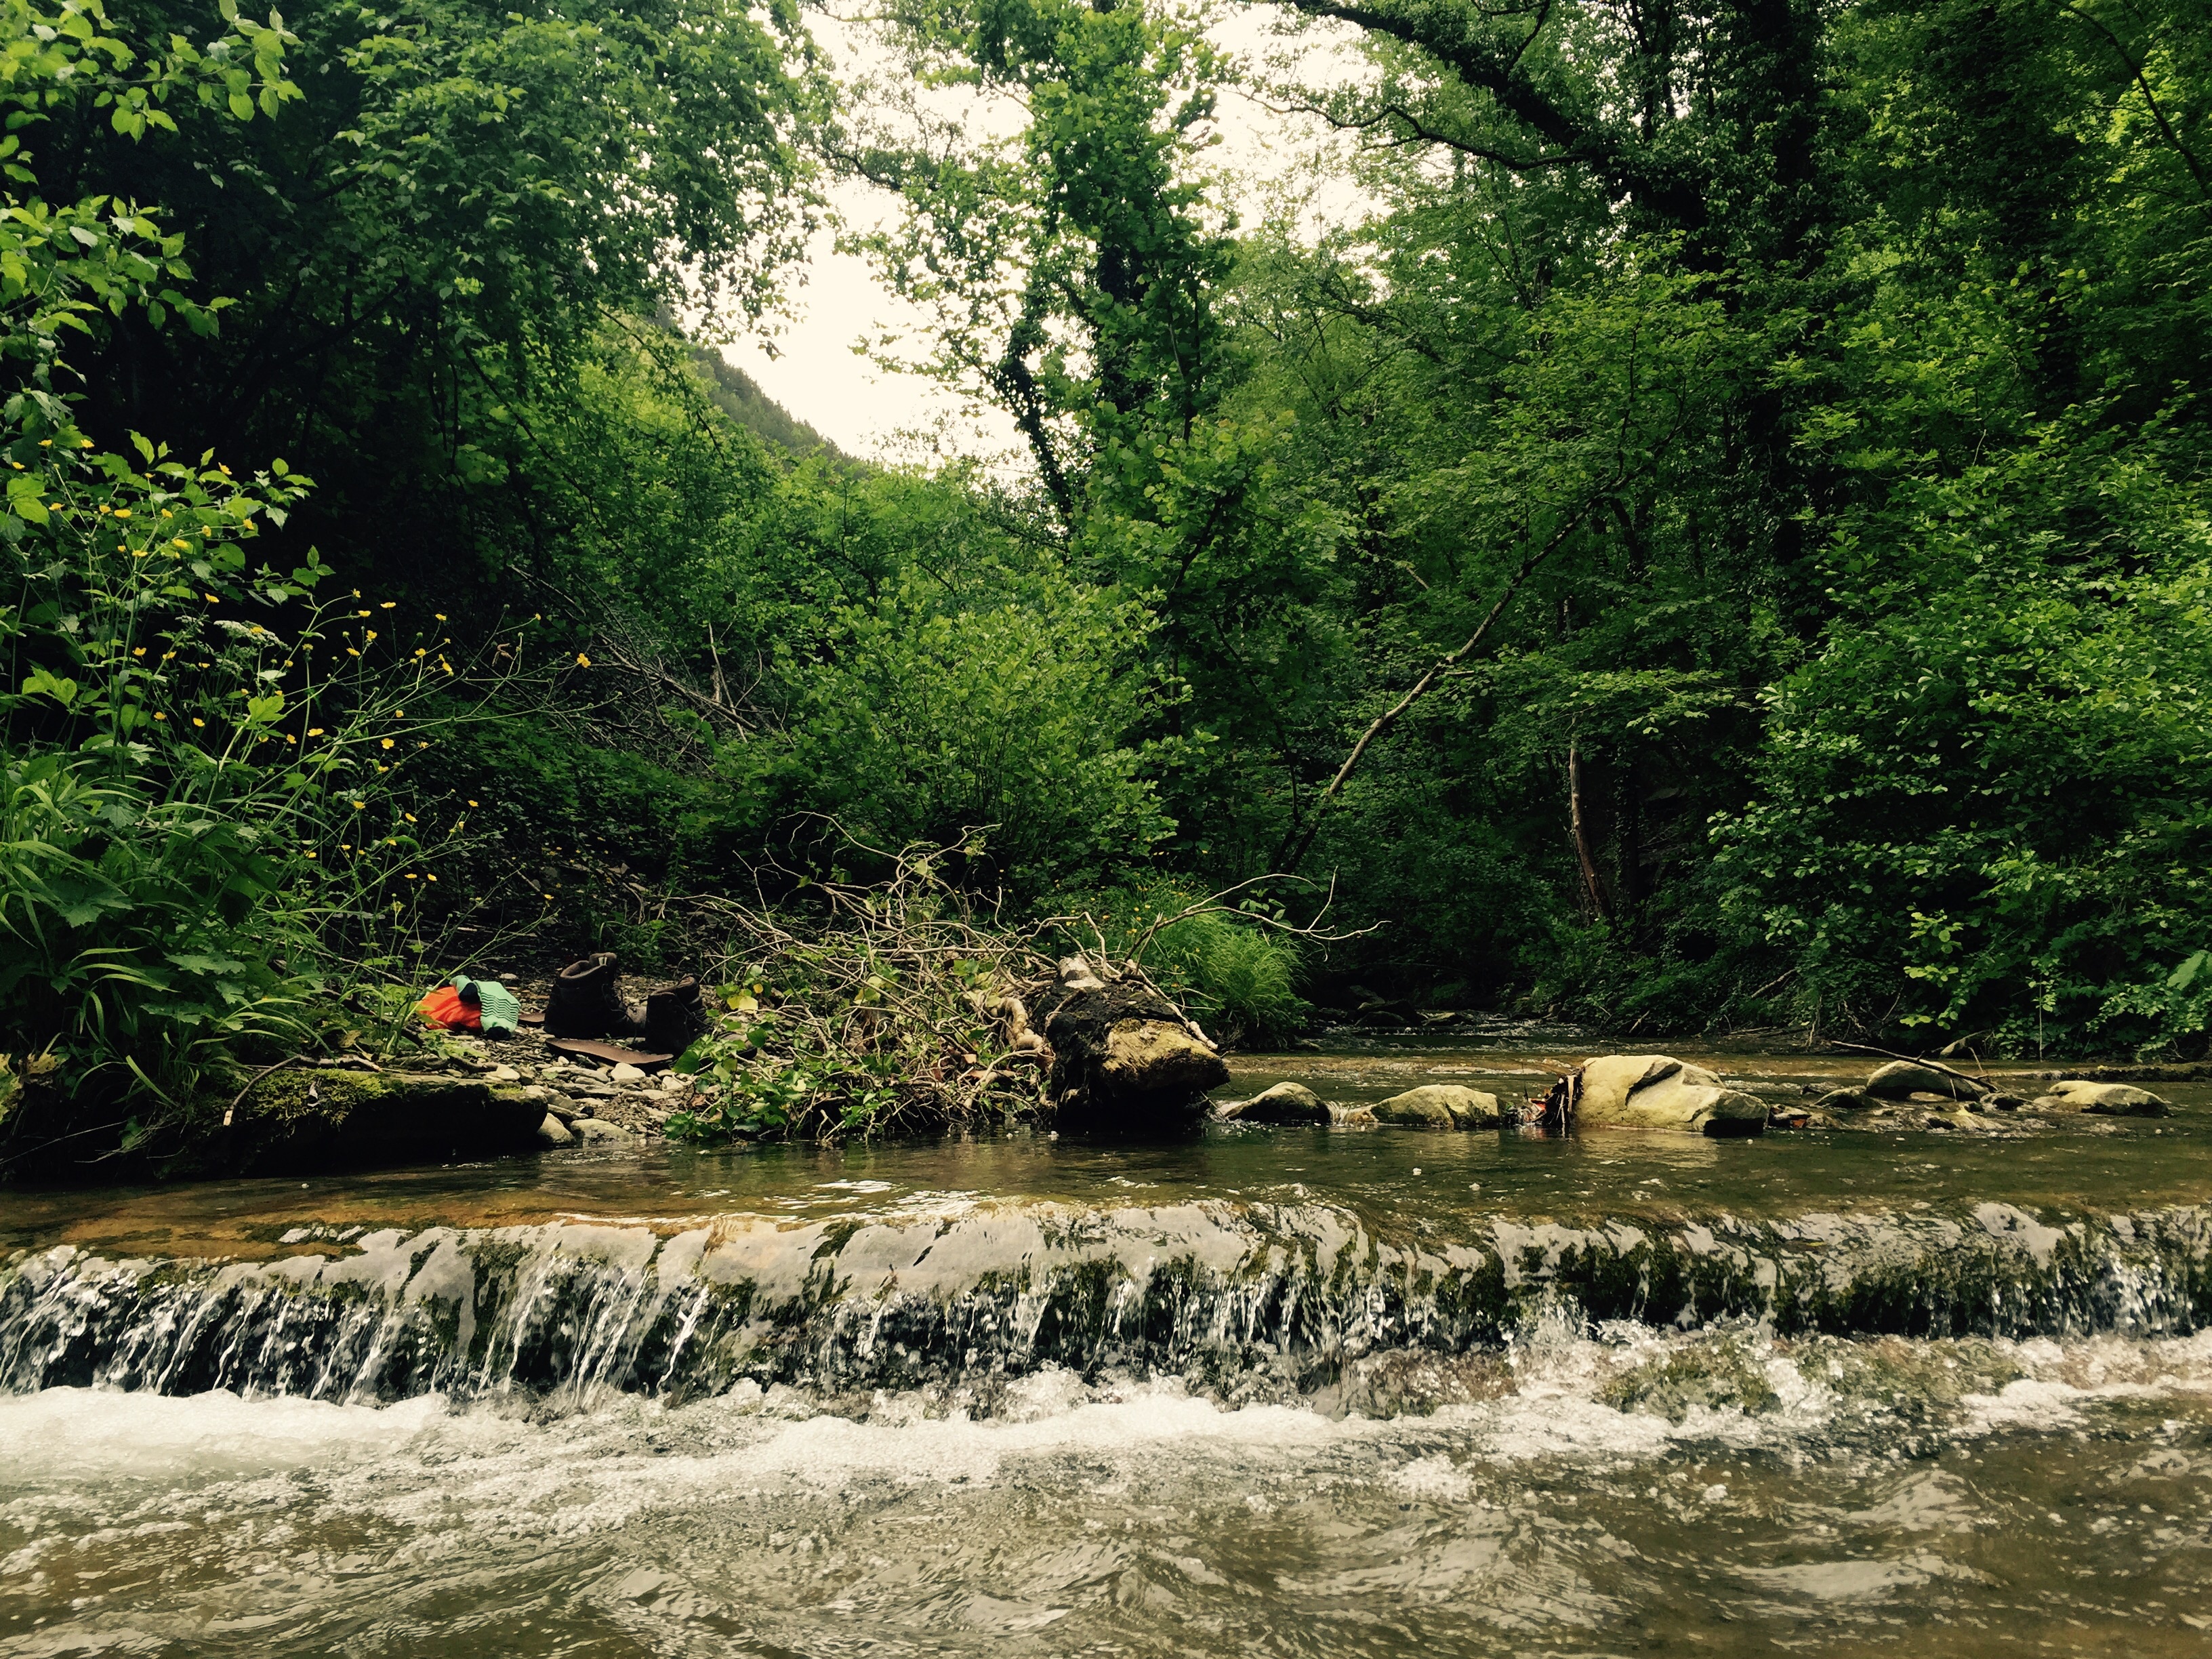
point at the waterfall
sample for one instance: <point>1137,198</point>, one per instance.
<point>1236,1297</point>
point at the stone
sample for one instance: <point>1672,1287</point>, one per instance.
<point>594,1132</point>
<point>2101,1099</point>
<point>1846,1100</point>
<point>1657,1091</point>
<point>1286,1102</point>
<point>627,1073</point>
<point>299,1122</point>
<point>1439,1106</point>
<point>1125,1060</point>
<point>554,1133</point>
<point>505,1074</point>
<point>1901,1080</point>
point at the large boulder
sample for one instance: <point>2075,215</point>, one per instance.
<point>1657,1091</point>
<point>1125,1060</point>
<point>1286,1102</point>
<point>1439,1106</point>
<point>302,1122</point>
<point>2101,1099</point>
<point>1901,1080</point>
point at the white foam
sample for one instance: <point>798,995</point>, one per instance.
<point>100,1431</point>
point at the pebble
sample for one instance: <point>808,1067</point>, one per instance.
<point>626,1073</point>
<point>592,1132</point>
<point>505,1074</point>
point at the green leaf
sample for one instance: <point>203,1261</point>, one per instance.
<point>41,684</point>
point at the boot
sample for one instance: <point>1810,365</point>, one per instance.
<point>587,1001</point>
<point>675,1016</point>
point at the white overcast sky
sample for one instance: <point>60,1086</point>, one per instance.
<point>867,411</point>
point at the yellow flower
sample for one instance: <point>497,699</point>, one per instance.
<point>138,650</point>
<point>315,731</point>
<point>434,879</point>
<point>360,613</point>
<point>409,876</point>
<point>582,661</point>
<point>371,634</point>
<point>213,600</point>
<point>122,512</point>
<point>358,804</point>
<point>420,651</point>
<point>196,720</point>
<point>350,652</point>
<point>311,855</point>
<point>160,717</point>
<point>387,743</point>
<point>410,817</point>
<point>439,615</point>
<point>399,714</point>
<point>387,604</point>
<point>289,738</point>
<point>472,803</point>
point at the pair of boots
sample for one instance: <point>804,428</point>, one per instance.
<point>587,1001</point>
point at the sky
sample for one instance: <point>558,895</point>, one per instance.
<point>865,411</point>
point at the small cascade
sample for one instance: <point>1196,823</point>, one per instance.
<point>1239,1299</point>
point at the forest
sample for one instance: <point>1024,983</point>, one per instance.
<point>1722,542</point>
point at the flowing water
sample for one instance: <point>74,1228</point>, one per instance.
<point>1268,1390</point>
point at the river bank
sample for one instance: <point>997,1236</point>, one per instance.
<point>1295,1390</point>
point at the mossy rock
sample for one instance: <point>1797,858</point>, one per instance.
<point>301,1121</point>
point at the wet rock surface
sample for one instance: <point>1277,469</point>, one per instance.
<point>1285,1104</point>
<point>1440,1106</point>
<point>1125,1061</point>
<point>1657,1091</point>
<point>1901,1080</point>
<point>2102,1099</point>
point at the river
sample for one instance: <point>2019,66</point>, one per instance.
<point>1274,1391</point>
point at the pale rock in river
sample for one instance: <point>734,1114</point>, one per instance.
<point>1124,1058</point>
<point>1440,1106</point>
<point>1657,1091</point>
<point>1286,1102</point>
<point>1901,1080</point>
<point>2101,1099</point>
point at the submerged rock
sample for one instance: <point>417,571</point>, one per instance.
<point>1124,1058</point>
<point>1901,1080</point>
<point>1657,1091</point>
<point>1439,1106</point>
<point>1846,1100</point>
<point>2102,1099</point>
<point>1286,1102</point>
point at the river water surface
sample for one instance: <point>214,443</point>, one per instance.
<point>1293,1391</point>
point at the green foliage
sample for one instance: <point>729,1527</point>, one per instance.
<point>1223,962</point>
<point>196,787</point>
<point>929,714</point>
